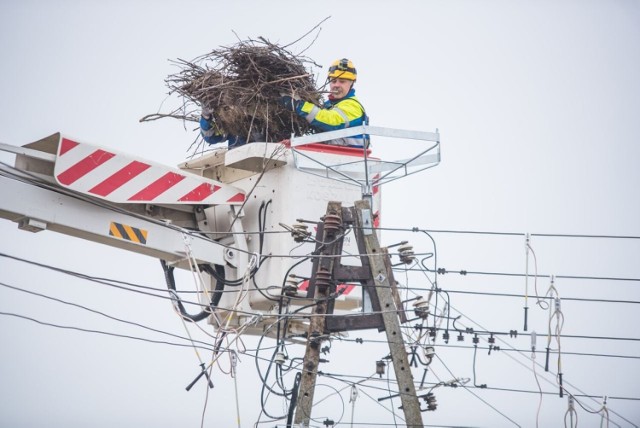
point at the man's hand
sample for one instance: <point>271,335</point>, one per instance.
<point>290,103</point>
<point>207,113</point>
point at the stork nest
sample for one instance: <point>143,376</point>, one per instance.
<point>242,85</point>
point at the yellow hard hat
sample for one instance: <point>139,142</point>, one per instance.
<point>342,69</point>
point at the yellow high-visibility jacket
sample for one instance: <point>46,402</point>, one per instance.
<point>336,114</point>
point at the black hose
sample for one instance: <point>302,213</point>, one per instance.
<point>221,277</point>
<point>217,273</point>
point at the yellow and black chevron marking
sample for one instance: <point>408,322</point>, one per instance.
<point>128,233</point>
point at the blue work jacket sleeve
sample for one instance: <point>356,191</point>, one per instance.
<point>210,132</point>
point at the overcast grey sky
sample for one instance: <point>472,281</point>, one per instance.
<point>537,104</point>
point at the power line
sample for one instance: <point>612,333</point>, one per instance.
<point>525,391</point>
<point>557,276</point>
<point>498,349</point>
<point>576,299</point>
<point>122,285</point>
<point>498,333</point>
<point>551,352</point>
<point>106,333</point>
<point>523,234</point>
<point>99,313</point>
<point>529,369</point>
<point>476,395</point>
<point>114,283</point>
<point>463,272</point>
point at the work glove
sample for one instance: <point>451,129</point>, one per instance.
<point>290,103</point>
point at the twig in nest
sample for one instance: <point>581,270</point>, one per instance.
<point>242,85</point>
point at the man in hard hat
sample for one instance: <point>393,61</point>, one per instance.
<point>341,110</point>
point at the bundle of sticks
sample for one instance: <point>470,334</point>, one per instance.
<point>242,85</point>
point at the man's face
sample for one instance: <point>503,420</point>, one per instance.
<point>340,87</point>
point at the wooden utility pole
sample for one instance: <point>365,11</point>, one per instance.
<point>382,279</point>
<point>329,246</point>
<point>327,271</point>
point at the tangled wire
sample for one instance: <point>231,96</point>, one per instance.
<point>242,85</point>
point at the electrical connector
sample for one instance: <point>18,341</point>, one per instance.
<point>571,402</point>
<point>354,393</point>
<point>430,399</point>
<point>429,352</point>
<point>533,341</point>
<point>406,254</point>
<point>300,232</point>
<point>279,358</point>
<point>421,308</point>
